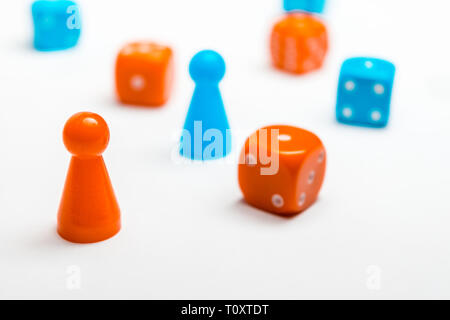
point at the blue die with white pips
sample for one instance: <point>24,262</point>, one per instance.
<point>57,24</point>
<point>315,6</point>
<point>364,92</point>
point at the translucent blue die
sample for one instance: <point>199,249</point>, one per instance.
<point>57,24</point>
<point>364,92</point>
<point>315,6</point>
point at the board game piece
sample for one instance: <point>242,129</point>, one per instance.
<point>144,74</point>
<point>206,134</point>
<point>89,211</point>
<point>314,6</point>
<point>364,92</point>
<point>57,24</point>
<point>299,43</point>
<point>281,169</point>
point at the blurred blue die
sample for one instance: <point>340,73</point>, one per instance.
<point>364,92</point>
<point>57,24</point>
<point>315,6</point>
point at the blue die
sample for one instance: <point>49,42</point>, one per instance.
<point>315,6</point>
<point>364,92</point>
<point>57,24</point>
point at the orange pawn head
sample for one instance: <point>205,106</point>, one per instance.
<point>299,43</point>
<point>88,211</point>
<point>281,169</point>
<point>144,74</point>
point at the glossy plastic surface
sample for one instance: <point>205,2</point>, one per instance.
<point>315,6</point>
<point>299,43</point>
<point>57,24</point>
<point>206,134</point>
<point>144,74</point>
<point>290,182</point>
<point>364,92</point>
<point>89,211</point>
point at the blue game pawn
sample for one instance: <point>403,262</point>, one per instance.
<point>57,24</point>
<point>206,134</point>
<point>315,6</point>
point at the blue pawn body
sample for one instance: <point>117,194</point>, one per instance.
<point>206,134</point>
<point>364,92</point>
<point>315,6</point>
<point>57,24</point>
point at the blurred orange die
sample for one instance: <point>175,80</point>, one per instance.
<point>281,169</point>
<point>144,74</point>
<point>299,43</point>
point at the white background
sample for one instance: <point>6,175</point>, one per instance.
<point>186,231</point>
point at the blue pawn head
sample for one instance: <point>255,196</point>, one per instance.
<point>207,66</point>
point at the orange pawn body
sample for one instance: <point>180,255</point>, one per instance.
<point>89,211</point>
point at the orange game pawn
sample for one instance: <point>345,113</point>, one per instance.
<point>88,211</point>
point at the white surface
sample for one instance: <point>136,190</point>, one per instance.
<point>384,208</point>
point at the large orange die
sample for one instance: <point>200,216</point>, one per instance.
<point>281,169</point>
<point>144,74</point>
<point>299,43</point>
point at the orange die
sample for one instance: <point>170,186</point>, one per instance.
<point>299,43</point>
<point>281,169</point>
<point>144,74</point>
